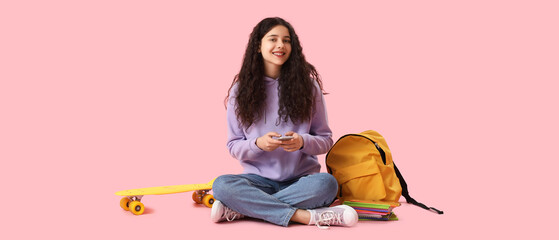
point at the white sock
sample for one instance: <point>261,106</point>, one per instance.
<point>312,212</point>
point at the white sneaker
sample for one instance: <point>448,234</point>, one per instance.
<point>341,215</point>
<point>220,213</point>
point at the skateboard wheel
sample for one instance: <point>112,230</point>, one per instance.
<point>208,200</point>
<point>196,197</point>
<point>124,203</point>
<point>136,207</point>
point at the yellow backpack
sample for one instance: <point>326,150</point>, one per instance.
<point>362,164</point>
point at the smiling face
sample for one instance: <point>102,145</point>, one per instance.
<point>275,48</point>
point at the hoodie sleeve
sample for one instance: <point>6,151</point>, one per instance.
<point>319,139</point>
<point>240,147</point>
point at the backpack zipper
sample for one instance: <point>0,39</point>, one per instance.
<point>382,154</point>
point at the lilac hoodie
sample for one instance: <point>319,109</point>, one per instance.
<point>278,165</point>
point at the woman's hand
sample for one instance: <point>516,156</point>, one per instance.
<point>267,142</point>
<point>294,144</point>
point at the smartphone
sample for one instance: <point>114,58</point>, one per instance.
<point>284,138</point>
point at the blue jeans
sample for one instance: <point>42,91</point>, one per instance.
<point>276,202</point>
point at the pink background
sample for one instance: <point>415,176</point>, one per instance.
<point>102,96</point>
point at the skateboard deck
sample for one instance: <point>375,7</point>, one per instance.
<point>132,198</point>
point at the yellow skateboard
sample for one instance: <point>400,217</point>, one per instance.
<point>131,201</point>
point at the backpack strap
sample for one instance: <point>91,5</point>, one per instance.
<point>406,194</point>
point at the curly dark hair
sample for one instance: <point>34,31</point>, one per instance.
<point>296,88</point>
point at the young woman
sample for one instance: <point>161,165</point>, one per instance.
<point>278,93</point>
